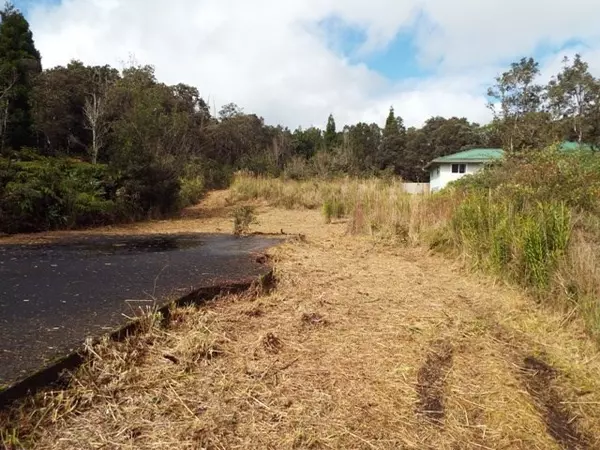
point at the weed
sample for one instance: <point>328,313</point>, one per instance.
<point>333,208</point>
<point>243,217</point>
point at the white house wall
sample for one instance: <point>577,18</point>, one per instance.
<point>445,176</point>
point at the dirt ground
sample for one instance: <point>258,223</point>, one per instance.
<point>361,345</point>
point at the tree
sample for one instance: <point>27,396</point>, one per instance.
<point>518,98</point>
<point>392,143</point>
<point>20,62</point>
<point>99,80</point>
<point>189,100</point>
<point>152,140</point>
<point>307,142</point>
<point>571,95</point>
<point>438,137</point>
<point>330,136</point>
<point>63,103</point>
<point>229,111</point>
<point>95,112</point>
<point>363,142</point>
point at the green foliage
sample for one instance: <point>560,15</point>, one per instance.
<point>192,190</point>
<point>150,191</point>
<point>333,207</point>
<point>243,217</point>
<point>543,176</point>
<point>49,193</point>
<point>524,243</point>
<point>330,136</point>
<point>533,219</point>
<point>305,143</point>
<point>20,62</point>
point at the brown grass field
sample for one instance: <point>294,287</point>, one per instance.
<point>361,345</point>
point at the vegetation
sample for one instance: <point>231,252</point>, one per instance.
<point>360,345</point>
<point>531,219</point>
<point>243,217</point>
<point>534,221</point>
<point>160,147</point>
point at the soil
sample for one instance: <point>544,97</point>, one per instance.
<point>431,381</point>
<point>561,423</point>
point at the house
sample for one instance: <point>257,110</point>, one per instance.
<point>449,168</point>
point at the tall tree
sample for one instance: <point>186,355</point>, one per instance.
<point>517,100</point>
<point>363,141</point>
<point>99,80</point>
<point>307,142</point>
<point>392,144</point>
<point>20,62</point>
<point>63,104</point>
<point>229,111</point>
<point>572,94</point>
<point>330,136</point>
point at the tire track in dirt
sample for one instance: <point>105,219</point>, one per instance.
<point>431,381</point>
<point>539,380</point>
<point>560,422</point>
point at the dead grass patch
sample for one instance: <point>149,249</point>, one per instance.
<point>313,319</point>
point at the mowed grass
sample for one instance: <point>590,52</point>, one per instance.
<point>362,344</point>
<point>546,245</point>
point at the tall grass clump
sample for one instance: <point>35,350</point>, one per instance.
<point>523,243</point>
<point>243,216</point>
<point>371,205</point>
<point>534,220</point>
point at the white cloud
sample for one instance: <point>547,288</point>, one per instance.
<point>270,57</point>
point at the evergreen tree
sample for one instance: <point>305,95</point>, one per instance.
<point>391,125</point>
<point>392,144</point>
<point>20,62</point>
<point>331,136</point>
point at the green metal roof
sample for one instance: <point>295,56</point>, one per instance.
<point>569,146</point>
<point>481,155</point>
<point>473,155</point>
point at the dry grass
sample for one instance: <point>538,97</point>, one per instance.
<point>351,350</point>
<point>374,206</point>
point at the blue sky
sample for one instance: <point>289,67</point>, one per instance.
<point>296,61</point>
<point>396,61</point>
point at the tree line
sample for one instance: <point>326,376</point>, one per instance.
<point>84,144</point>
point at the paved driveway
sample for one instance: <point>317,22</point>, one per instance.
<point>54,295</point>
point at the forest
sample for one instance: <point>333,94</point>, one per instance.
<point>88,145</point>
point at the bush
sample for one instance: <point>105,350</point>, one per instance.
<point>243,217</point>
<point>48,193</point>
<point>333,208</point>
<point>150,191</point>
<point>298,168</point>
<point>518,218</point>
<point>192,190</point>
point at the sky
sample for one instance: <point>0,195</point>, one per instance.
<point>294,62</point>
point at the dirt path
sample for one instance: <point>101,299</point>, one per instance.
<point>362,345</point>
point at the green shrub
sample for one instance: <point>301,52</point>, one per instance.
<point>327,210</point>
<point>89,210</point>
<point>333,208</point>
<point>41,193</point>
<point>243,217</point>
<point>150,191</point>
<point>191,191</point>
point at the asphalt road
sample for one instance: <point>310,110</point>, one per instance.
<point>52,296</point>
